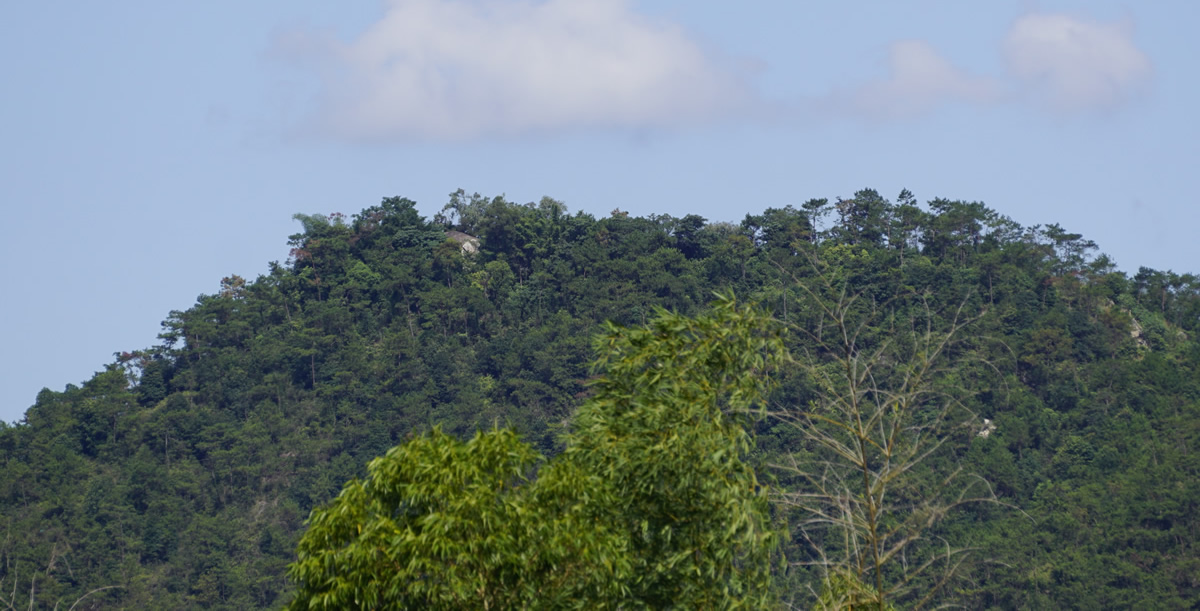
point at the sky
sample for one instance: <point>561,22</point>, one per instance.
<point>148,149</point>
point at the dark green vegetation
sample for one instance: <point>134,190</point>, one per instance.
<point>181,476</point>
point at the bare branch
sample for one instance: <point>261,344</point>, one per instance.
<point>886,399</point>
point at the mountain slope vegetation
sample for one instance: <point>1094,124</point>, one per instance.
<point>182,474</point>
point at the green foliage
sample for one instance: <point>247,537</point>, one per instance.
<point>650,505</point>
<point>843,590</point>
<point>665,429</point>
<point>441,524</point>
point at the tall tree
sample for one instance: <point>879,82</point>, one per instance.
<point>882,396</point>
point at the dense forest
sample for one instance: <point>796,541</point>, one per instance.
<point>1032,413</point>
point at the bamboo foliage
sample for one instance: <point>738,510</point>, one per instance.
<point>651,505</point>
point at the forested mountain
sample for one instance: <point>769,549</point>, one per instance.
<point>181,475</point>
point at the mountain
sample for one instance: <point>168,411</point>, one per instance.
<point>181,475</point>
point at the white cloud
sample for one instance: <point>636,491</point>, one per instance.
<point>455,69</point>
<point>1067,64</point>
<point>1076,64</point>
<point>919,80</point>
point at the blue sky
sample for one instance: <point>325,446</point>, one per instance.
<point>147,149</point>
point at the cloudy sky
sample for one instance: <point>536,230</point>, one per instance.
<point>149,148</point>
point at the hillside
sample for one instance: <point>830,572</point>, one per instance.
<point>181,476</point>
